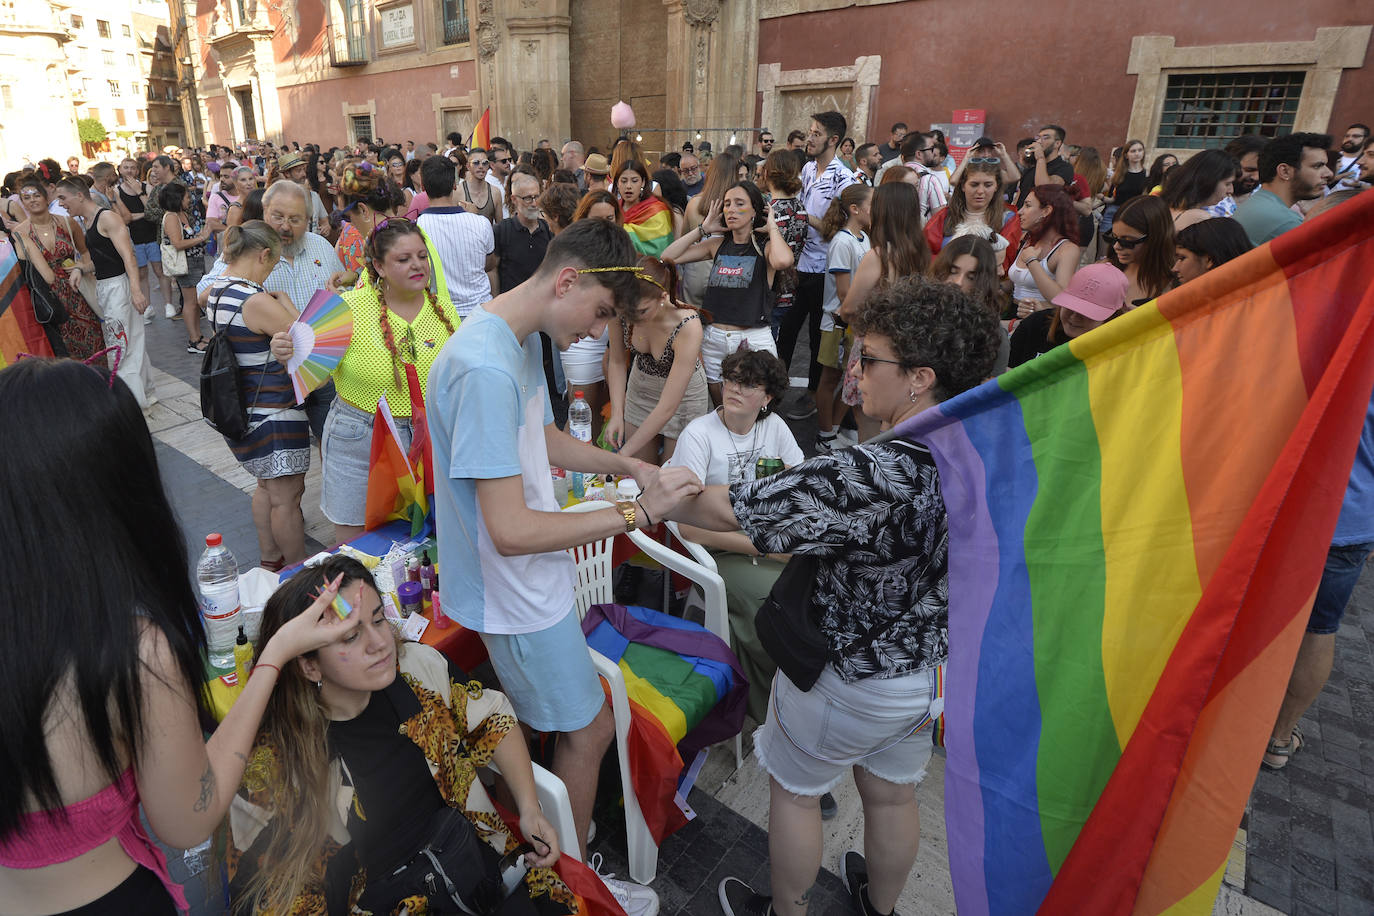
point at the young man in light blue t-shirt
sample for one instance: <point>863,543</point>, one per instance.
<point>502,540</point>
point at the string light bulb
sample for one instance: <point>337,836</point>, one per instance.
<point>639,138</point>
<point>698,135</point>
<point>732,139</point>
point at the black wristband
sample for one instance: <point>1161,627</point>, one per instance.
<point>647,520</point>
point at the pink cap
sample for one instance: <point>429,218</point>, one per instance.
<point>1097,291</point>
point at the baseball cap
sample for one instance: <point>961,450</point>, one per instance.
<point>596,164</point>
<point>1097,291</point>
<point>984,143</point>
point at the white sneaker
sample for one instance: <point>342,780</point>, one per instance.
<point>170,311</point>
<point>634,899</point>
<point>148,315</point>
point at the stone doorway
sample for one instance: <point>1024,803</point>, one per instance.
<point>618,50</point>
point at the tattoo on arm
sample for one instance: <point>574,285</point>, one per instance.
<point>805,897</point>
<point>207,790</point>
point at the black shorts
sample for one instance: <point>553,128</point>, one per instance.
<point>142,892</point>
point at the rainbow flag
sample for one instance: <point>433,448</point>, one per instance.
<point>650,224</point>
<point>395,486</point>
<point>1138,521</point>
<point>20,331</point>
<point>481,133</point>
<point>686,693</point>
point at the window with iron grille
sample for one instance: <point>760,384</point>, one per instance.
<point>455,13</point>
<point>1207,109</point>
<point>354,20</point>
<point>360,127</point>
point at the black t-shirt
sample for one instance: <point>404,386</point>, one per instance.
<point>104,255</point>
<point>737,290</point>
<point>141,232</point>
<point>886,152</point>
<point>1057,167</point>
<point>1032,338</point>
<point>1133,185</point>
<point>394,786</point>
<point>520,251</point>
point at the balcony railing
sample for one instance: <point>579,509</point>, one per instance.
<point>455,14</point>
<point>349,47</point>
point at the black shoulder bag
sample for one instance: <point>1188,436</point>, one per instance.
<point>789,628</point>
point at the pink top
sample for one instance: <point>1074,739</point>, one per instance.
<point>44,839</point>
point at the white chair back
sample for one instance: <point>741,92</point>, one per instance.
<point>593,562</point>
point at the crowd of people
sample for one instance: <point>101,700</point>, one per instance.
<point>491,287</point>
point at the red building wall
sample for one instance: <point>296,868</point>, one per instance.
<point>1029,64</point>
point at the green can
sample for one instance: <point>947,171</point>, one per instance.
<point>766,467</point>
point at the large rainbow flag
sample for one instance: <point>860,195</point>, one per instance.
<point>481,132</point>
<point>650,225</point>
<point>1138,522</point>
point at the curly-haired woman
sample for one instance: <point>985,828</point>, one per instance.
<point>880,596</point>
<point>399,323</point>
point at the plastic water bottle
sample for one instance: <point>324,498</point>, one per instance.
<point>580,425</point>
<point>218,576</point>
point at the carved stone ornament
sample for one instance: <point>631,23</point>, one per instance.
<point>531,104</point>
<point>701,12</point>
<point>488,37</point>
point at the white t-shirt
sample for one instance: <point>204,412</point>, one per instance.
<point>488,407</point>
<point>718,456</point>
<point>462,240</point>
<point>842,257</point>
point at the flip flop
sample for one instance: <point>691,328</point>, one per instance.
<point>1284,752</point>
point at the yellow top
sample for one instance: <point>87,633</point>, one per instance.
<point>364,374</point>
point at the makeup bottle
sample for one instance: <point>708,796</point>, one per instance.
<point>243,657</point>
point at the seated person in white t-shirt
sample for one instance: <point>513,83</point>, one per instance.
<point>723,447</point>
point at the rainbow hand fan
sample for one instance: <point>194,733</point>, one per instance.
<point>320,338</point>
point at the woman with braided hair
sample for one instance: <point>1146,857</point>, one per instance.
<point>399,322</point>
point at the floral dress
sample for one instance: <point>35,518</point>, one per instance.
<point>81,331</point>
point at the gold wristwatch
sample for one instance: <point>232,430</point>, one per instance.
<point>631,513</point>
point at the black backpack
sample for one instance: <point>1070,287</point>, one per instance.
<point>220,402</point>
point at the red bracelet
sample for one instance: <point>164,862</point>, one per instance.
<point>267,665</point>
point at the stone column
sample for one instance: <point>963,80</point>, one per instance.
<point>522,69</point>
<point>712,64</point>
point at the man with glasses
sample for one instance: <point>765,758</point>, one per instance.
<point>1043,164</point>
<point>689,170</point>
<point>521,241</point>
<point>893,147</point>
<point>308,264</point>
<point>502,161</point>
<point>920,152</point>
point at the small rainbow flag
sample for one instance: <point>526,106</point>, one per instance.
<point>1138,521</point>
<point>396,482</point>
<point>650,224</point>
<point>20,331</point>
<point>481,133</point>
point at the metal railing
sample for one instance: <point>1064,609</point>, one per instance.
<point>455,13</point>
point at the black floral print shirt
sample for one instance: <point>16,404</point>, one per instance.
<point>873,518</point>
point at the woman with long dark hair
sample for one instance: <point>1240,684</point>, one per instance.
<point>1204,181</point>
<point>741,240</point>
<point>969,263</point>
<point>103,715</point>
<point>674,194</point>
<point>179,231</point>
<point>392,728</point>
<point>1050,252</point>
<point>721,174</point>
<point>1142,246</point>
<point>647,218</point>
<point>1163,164</point>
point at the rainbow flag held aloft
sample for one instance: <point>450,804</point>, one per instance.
<point>650,224</point>
<point>686,693</point>
<point>481,133</point>
<point>20,331</point>
<point>1138,521</point>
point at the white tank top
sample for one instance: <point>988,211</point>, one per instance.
<point>1022,283</point>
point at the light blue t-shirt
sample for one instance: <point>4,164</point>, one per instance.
<point>1264,216</point>
<point>1356,524</point>
<point>487,407</point>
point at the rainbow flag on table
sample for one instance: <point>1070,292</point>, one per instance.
<point>1138,522</point>
<point>650,224</point>
<point>686,693</point>
<point>481,133</point>
<point>20,331</point>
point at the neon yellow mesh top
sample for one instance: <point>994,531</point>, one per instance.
<point>364,374</point>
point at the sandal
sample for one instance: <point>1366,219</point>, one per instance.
<point>1284,752</point>
<point>196,346</point>
<point>274,565</point>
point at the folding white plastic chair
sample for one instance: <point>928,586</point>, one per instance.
<point>593,586</point>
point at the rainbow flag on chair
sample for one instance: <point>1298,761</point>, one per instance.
<point>1138,522</point>
<point>650,224</point>
<point>686,693</point>
<point>481,133</point>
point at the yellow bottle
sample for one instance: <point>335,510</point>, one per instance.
<point>243,658</point>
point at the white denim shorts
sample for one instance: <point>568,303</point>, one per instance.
<point>582,362</point>
<point>718,343</point>
<point>813,737</point>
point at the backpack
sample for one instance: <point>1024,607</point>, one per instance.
<point>220,403</point>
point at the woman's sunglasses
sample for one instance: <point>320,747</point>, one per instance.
<point>1128,244</point>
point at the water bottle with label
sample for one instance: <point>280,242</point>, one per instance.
<point>217,574</point>
<point>580,425</point>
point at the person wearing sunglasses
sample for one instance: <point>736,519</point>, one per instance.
<point>1142,246</point>
<point>1094,296</point>
<point>480,195</point>
<point>502,161</point>
<point>922,342</point>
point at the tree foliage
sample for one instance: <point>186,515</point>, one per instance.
<point>90,130</point>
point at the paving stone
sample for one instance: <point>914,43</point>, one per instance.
<point>1350,905</point>
<point>1354,875</point>
<point>1312,868</point>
